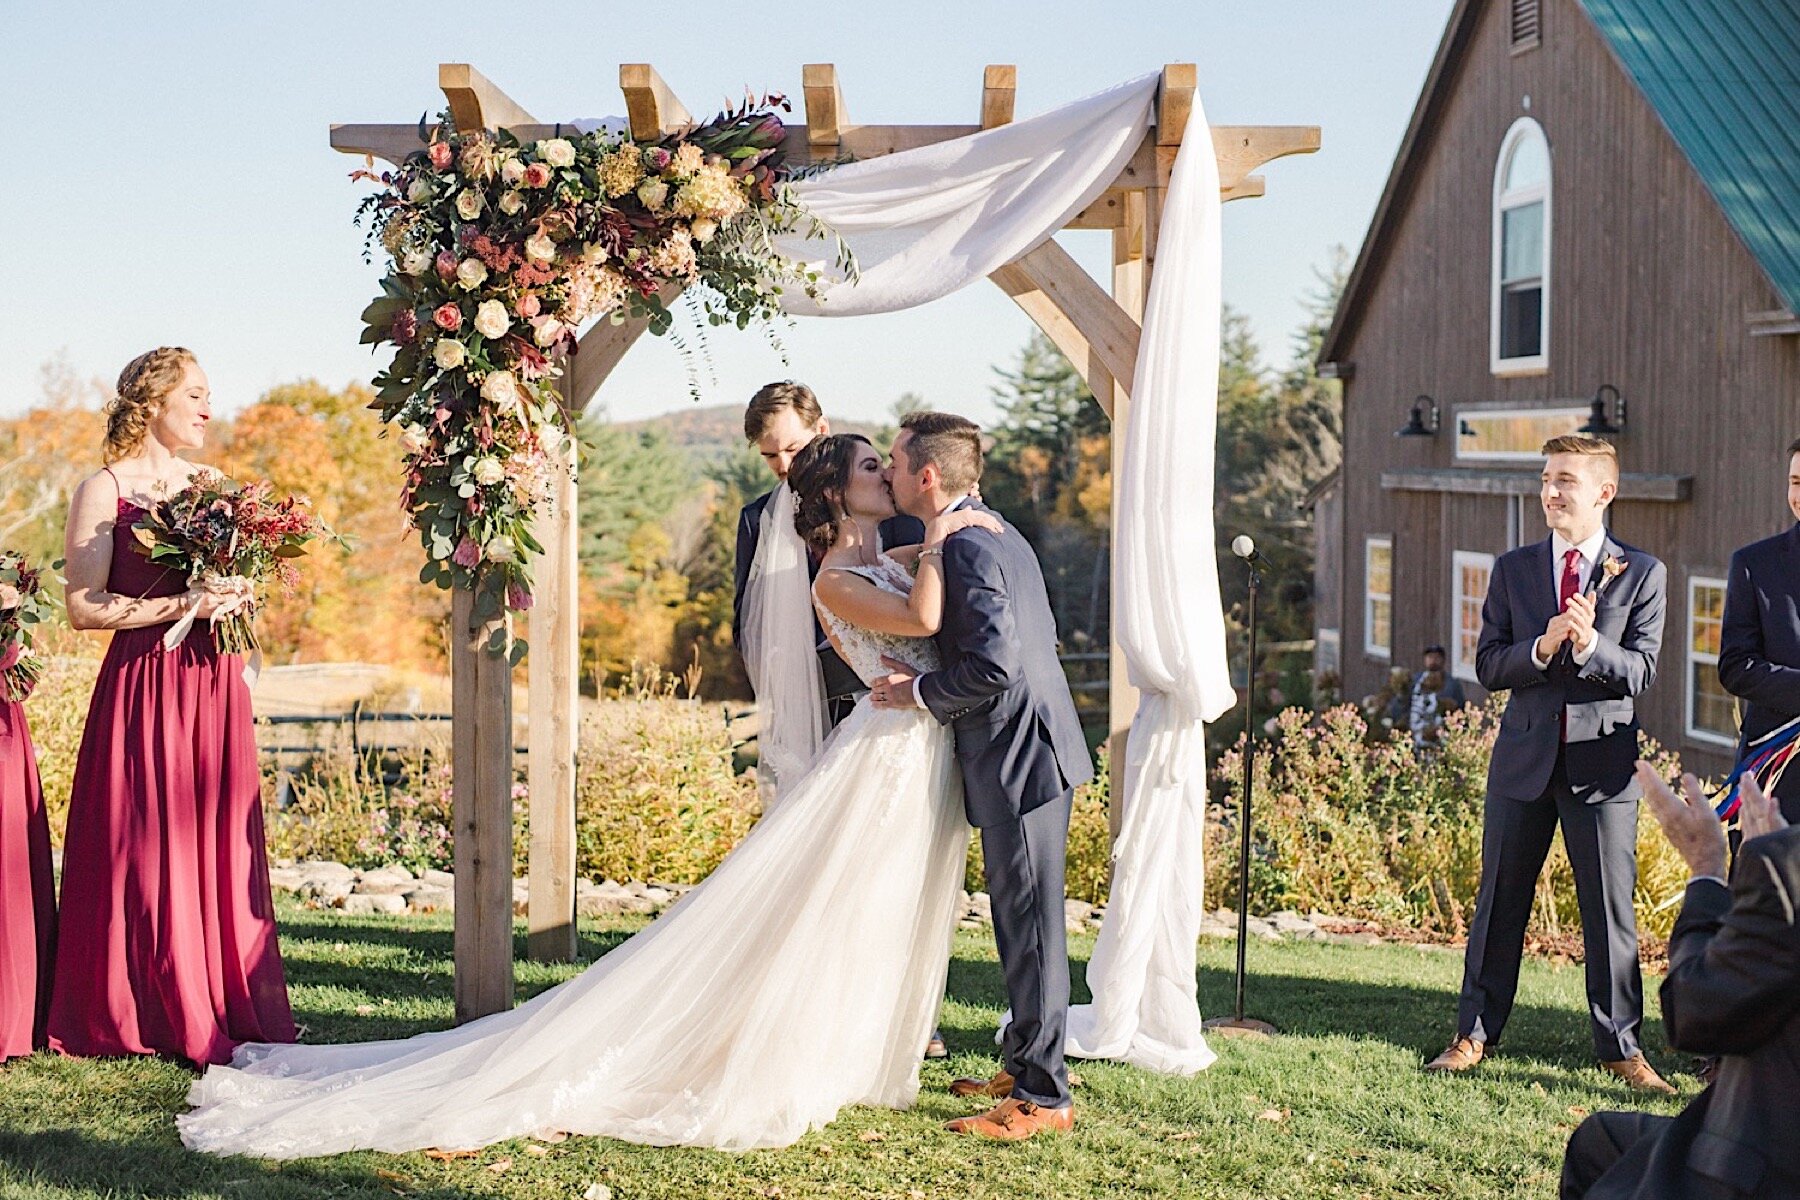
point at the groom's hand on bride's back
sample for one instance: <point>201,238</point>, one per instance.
<point>896,689</point>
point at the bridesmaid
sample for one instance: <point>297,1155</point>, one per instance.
<point>168,933</point>
<point>27,891</point>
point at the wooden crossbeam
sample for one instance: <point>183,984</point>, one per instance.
<point>650,105</point>
<point>999,85</point>
<point>1241,149</point>
<point>1175,102</point>
<point>475,103</point>
<point>1094,333</point>
<point>824,109</point>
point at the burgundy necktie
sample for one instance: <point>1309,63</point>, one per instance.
<point>1571,583</point>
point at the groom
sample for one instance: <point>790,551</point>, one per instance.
<point>1019,744</point>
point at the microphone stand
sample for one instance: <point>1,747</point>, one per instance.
<point>1238,1025</point>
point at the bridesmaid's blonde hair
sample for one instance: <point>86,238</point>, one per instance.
<point>144,384</point>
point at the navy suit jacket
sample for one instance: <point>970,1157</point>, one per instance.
<point>1597,697</point>
<point>840,680</point>
<point>1733,990</point>
<point>1759,646</point>
<point>1002,689</point>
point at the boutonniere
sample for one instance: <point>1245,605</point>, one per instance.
<point>1612,567</point>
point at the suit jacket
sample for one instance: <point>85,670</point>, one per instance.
<point>1598,696</point>
<point>840,680</point>
<point>1759,645</point>
<point>1734,990</point>
<point>1002,688</point>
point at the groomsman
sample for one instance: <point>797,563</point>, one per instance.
<point>782,419</point>
<point>1759,646</point>
<point>1571,627</point>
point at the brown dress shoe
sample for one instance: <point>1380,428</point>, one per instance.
<point>1640,1075</point>
<point>1459,1056</point>
<point>1014,1120</point>
<point>997,1088</point>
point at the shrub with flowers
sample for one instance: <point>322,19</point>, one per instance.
<point>501,252</point>
<point>23,607</point>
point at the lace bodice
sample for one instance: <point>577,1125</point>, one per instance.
<point>862,648</point>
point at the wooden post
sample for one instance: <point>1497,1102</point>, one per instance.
<point>481,805</point>
<point>554,724</point>
<point>1133,247</point>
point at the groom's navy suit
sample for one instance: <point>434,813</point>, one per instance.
<point>1019,744</point>
<point>1759,646</point>
<point>1565,754</point>
<point>842,687</point>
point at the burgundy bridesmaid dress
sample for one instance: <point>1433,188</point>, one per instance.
<point>27,891</point>
<point>167,943</point>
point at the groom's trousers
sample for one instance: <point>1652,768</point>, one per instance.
<point>1025,860</point>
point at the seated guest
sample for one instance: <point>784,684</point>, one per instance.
<point>1759,643</point>
<point>1733,990</point>
<point>1428,698</point>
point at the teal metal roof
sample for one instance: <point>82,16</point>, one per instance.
<point>1724,76</point>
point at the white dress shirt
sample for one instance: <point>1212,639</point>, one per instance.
<point>1588,554</point>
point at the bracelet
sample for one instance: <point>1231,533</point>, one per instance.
<point>928,550</point>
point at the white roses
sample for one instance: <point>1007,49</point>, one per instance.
<point>539,248</point>
<point>511,203</point>
<point>487,472</point>
<point>415,440</point>
<point>548,330</point>
<point>449,354</point>
<point>491,320</point>
<point>652,193</point>
<point>419,191</point>
<point>500,388</point>
<point>501,549</point>
<point>511,171</point>
<point>558,152</point>
<point>468,204</point>
<point>471,272</point>
<point>416,262</point>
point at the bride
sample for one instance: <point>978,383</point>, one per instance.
<point>803,975</point>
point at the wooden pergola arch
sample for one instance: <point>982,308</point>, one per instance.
<point>1096,327</point>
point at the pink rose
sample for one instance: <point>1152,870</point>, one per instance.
<point>537,175</point>
<point>440,155</point>
<point>9,657</point>
<point>446,265</point>
<point>517,598</point>
<point>467,553</point>
<point>528,306</point>
<point>448,317</point>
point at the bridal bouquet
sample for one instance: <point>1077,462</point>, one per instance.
<point>502,250</point>
<point>22,606</point>
<point>228,537</point>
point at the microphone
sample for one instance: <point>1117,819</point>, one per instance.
<point>1244,546</point>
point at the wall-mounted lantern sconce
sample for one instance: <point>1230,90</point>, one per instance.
<point>1597,422</point>
<point>1423,422</point>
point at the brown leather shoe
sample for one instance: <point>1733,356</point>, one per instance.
<point>1461,1055</point>
<point>1014,1120</point>
<point>1640,1075</point>
<point>997,1088</point>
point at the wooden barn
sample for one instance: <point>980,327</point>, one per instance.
<point>1593,222</point>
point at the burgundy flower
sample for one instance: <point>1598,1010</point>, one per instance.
<point>517,598</point>
<point>448,317</point>
<point>657,158</point>
<point>406,326</point>
<point>441,155</point>
<point>446,265</point>
<point>475,507</point>
<point>467,553</point>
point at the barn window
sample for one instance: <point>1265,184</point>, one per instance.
<point>1378,597</point>
<point>1526,26</point>
<point>1521,259</point>
<point>1470,573</point>
<point>1711,712</point>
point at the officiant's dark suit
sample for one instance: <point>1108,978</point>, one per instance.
<point>1564,754</point>
<point>1733,990</point>
<point>1759,646</point>
<point>842,687</point>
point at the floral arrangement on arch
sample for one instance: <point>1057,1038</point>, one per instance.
<point>501,252</point>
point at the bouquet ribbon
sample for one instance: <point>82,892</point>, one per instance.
<point>240,599</point>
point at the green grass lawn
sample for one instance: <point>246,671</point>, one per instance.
<point>1336,1106</point>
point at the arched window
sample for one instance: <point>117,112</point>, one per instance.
<point>1520,332</point>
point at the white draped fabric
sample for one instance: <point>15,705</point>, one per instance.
<point>927,222</point>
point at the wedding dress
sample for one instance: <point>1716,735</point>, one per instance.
<point>803,975</point>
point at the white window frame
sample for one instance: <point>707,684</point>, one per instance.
<point>1533,455</point>
<point>1385,653</point>
<point>1696,660</point>
<point>1533,364</point>
<point>1459,559</point>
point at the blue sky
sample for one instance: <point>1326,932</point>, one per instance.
<point>170,179</point>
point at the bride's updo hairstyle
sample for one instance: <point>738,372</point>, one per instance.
<point>144,384</point>
<point>819,475</point>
